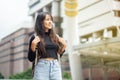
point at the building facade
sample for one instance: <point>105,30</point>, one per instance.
<point>14,51</point>
<point>98,32</point>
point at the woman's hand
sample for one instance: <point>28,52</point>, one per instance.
<point>35,42</point>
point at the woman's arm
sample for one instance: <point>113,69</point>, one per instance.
<point>62,44</point>
<point>31,53</point>
<point>32,47</point>
<point>34,43</point>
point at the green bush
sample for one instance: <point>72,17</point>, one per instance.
<point>66,75</point>
<point>25,75</point>
<point>28,75</point>
<point>1,76</point>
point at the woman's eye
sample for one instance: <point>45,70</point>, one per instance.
<point>47,19</point>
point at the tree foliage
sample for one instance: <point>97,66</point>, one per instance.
<point>1,76</point>
<point>24,75</point>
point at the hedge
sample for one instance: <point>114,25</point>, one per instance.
<point>24,75</point>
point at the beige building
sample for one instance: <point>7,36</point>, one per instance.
<point>94,39</point>
<point>13,52</point>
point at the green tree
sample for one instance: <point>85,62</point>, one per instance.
<point>66,75</point>
<point>1,76</point>
<point>24,75</point>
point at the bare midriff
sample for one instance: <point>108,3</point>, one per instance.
<point>48,58</point>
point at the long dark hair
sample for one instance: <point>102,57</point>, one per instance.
<point>39,30</point>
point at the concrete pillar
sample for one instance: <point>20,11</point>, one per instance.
<point>105,74</point>
<point>72,38</point>
<point>90,73</point>
<point>116,10</point>
<point>56,13</point>
<point>117,24</point>
<point>75,67</point>
<point>45,9</point>
<point>11,58</point>
<point>56,8</point>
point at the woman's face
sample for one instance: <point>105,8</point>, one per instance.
<point>47,22</point>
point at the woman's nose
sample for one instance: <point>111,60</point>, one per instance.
<point>50,22</point>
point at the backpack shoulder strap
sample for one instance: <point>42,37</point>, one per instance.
<point>35,61</point>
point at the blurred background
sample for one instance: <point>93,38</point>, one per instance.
<point>90,27</point>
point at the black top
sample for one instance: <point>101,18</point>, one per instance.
<point>51,49</point>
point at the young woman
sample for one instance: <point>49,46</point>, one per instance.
<point>48,45</point>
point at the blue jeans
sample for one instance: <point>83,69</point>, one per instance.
<point>47,70</point>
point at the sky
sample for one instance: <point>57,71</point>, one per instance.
<point>12,13</point>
